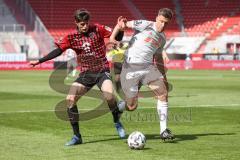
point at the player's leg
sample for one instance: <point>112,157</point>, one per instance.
<point>130,104</point>
<point>130,85</point>
<point>69,67</point>
<point>160,90</point>
<point>156,82</point>
<point>117,82</point>
<point>107,90</point>
<point>106,86</point>
<point>75,92</point>
<point>117,71</point>
<point>74,64</point>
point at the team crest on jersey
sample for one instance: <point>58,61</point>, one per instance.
<point>92,35</point>
<point>108,28</point>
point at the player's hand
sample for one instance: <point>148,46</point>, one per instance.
<point>33,63</point>
<point>166,60</point>
<point>113,44</point>
<point>121,22</point>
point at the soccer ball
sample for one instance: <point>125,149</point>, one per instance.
<point>136,140</point>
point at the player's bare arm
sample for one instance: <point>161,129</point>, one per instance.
<point>122,24</point>
<point>165,57</point>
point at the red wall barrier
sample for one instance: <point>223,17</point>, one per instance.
<point>25,66</point>
<point>205,64</point>
<point>174,64</point>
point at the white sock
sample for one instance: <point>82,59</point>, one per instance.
<point>122,106</point>
<point>162,108</point>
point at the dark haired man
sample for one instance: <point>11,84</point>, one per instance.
<point>88,43</point>
<point>145,46</point>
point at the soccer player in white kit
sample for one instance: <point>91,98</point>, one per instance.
<point>145,47</point>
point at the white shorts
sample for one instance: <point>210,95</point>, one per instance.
<point>134,74</point>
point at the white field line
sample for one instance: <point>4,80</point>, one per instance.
<point>182,106</point>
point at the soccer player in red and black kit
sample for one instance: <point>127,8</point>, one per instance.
<point>88,43</point>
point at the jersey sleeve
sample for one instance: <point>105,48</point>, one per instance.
<point>63,43</point>
<point>105,31</point>
<point>140,25</point>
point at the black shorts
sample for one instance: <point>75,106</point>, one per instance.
<point>89,79</point>
<point>117,67</point>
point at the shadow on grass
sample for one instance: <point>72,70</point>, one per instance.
<point>178,138</point>
<point>112,139</point>
<point>185,95</point>
<point>102,140</point>
<point>185,137</point>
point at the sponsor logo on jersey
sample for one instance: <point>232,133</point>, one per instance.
<point>137,22</point>
<point>87,48</point>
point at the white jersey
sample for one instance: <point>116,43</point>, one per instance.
<point>145,42</point>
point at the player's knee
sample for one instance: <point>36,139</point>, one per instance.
<point>71,100</point>
<point>109,96</point>
<point>162,97</point>
<point>162,94</point>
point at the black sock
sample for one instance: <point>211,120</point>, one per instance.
<point>116,115</point>
<point>74,118</point>
<point>115,111</point>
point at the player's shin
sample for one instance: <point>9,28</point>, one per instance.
<point>162,108</point>
<point>74,118</point>
<point>115,110</point>
<point>118,86</point>
<point>116,118</point>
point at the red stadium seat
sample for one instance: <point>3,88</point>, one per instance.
<point>57,14</point>
<point>214,12</point>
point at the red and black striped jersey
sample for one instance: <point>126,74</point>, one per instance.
<point>89,47</point>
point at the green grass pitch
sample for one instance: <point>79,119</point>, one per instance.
<point>204,115</point>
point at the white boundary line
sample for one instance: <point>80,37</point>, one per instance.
<point>185,106</point>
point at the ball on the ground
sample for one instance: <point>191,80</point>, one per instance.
<point>136,140</point>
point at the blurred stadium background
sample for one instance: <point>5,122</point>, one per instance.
<point>205,33</point>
